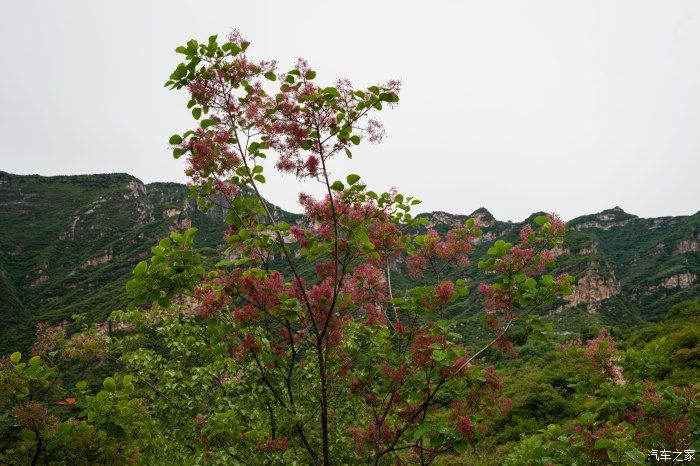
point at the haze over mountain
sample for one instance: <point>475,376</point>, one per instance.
<point>69,244</point>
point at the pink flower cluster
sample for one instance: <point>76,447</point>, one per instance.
<point>599,354</point>
<point>436,253</point>
<point>210,154</point>
<point>271,445</point>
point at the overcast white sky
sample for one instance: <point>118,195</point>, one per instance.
<point>518,106</point>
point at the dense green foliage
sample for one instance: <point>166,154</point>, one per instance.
<point>564,405</point>
<point>566,400</point>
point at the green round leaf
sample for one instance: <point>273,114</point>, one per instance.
<point>109,384</point>
<point>637,456</point>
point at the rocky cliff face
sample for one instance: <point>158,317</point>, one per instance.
<point>680,280</point>
<point>592,290</point>
<point>687,245</point>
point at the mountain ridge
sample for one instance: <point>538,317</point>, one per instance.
<point>479,211</point>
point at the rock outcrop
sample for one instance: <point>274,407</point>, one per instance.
<point>592,289</point>
<point>679,280</point>
<point>687,245</point>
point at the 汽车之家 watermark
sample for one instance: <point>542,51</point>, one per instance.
<point>671,455</point>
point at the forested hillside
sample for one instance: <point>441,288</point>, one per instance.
<point>71,242</point>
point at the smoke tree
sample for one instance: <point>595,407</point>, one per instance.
<point>292,346</point>
<point>302,351</point>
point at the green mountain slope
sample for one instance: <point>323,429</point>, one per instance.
<point>629,270</point>
<point>69,244</point>
<point>10,304</point>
